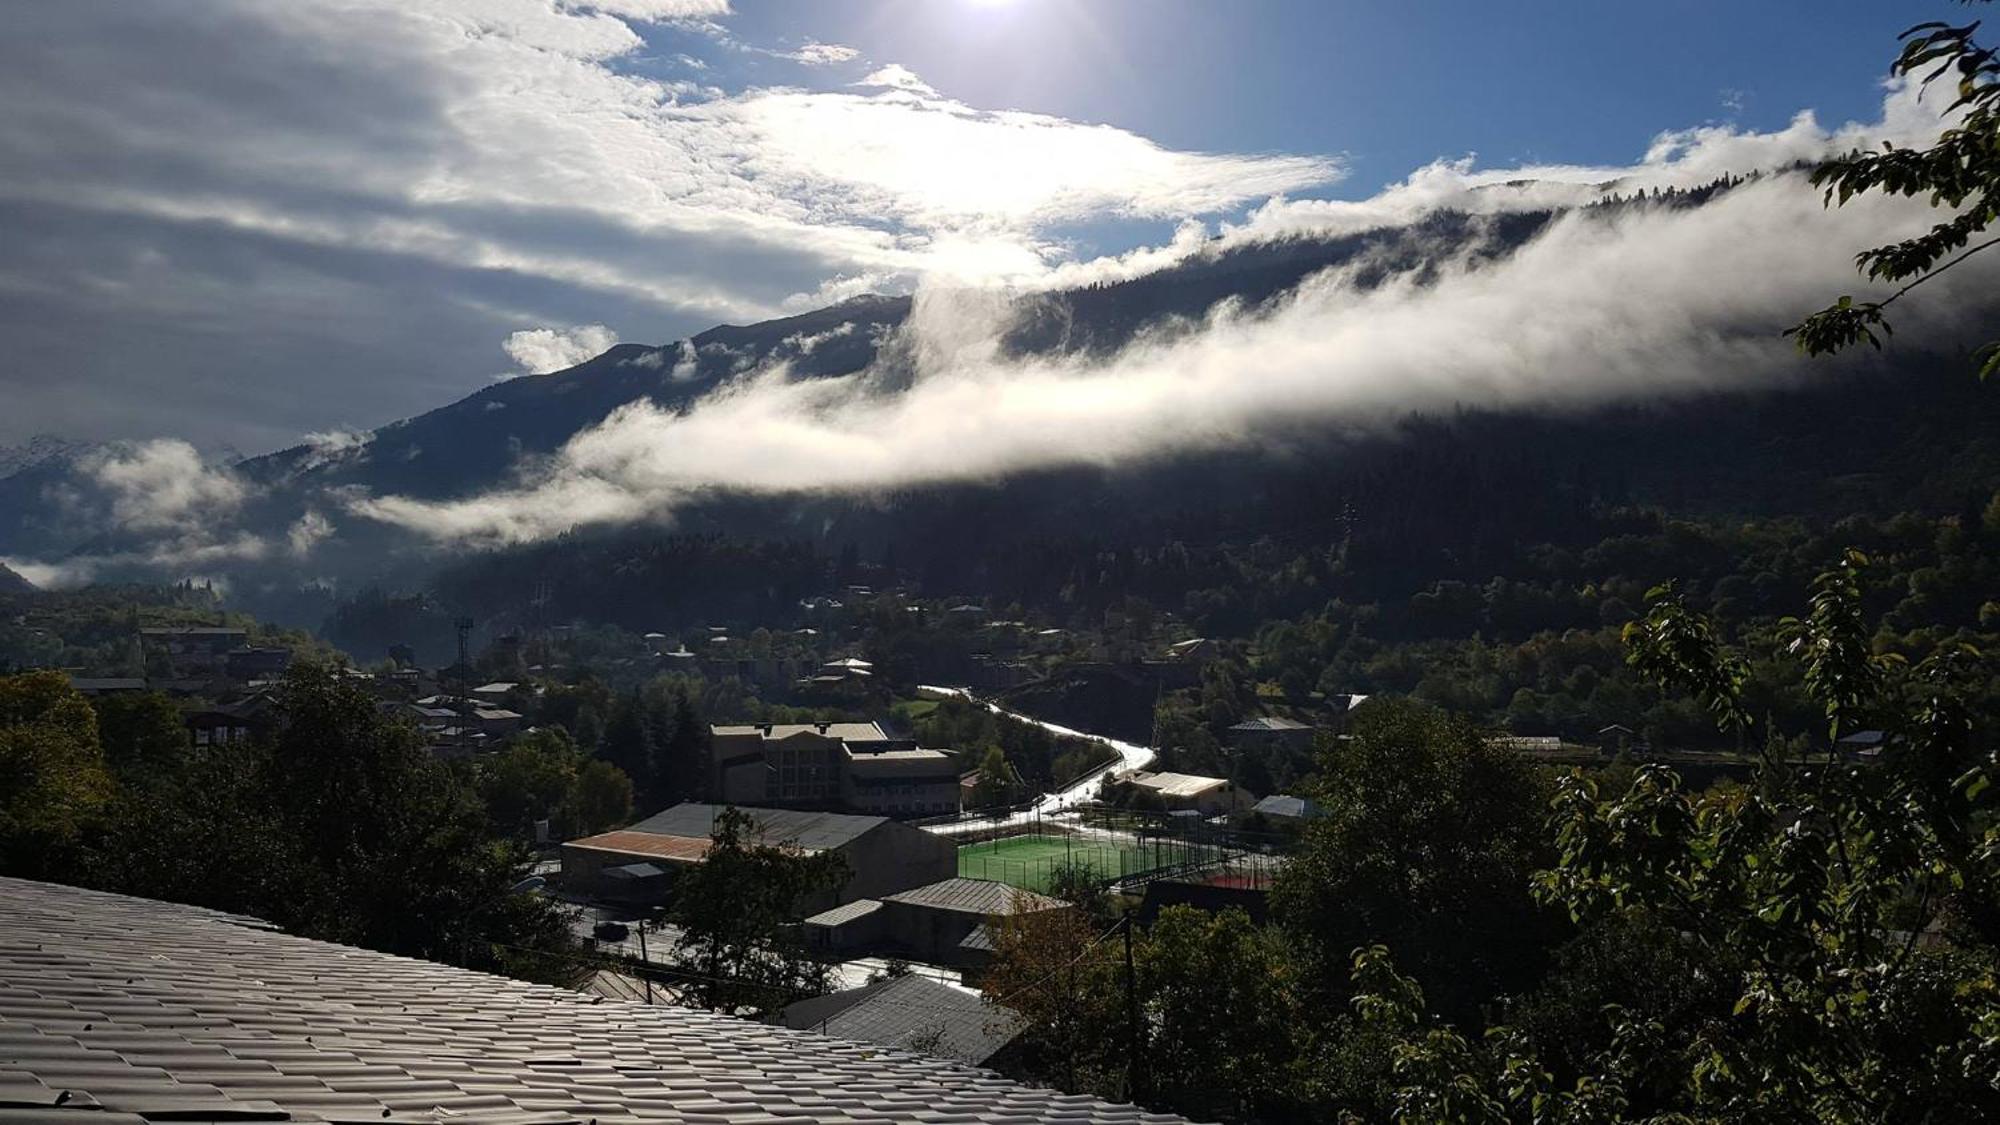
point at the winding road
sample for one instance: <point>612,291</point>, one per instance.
<point>1131,756</point>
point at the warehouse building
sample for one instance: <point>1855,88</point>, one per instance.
<point>636,865</point>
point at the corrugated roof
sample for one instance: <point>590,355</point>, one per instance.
<point>149,1007</point>
<point>912,1012</point>
<point>1270,723</point>
<point>846,912</point>
<point>683,849</point>
<point>812,831</point>
<point>1283,805</point>
<point>1177,784</point>
<point>976,896</point>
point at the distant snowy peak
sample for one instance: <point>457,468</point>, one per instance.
<point>39,450</point>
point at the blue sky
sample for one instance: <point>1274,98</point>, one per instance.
<point>1391,86</point>
<point>244,222</point>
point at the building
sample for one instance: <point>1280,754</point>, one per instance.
<point>116,1010</point>
<point>943,923</point>
<point>1286,809</point>
<point>784,764</point>
<point>1209,796</point>
<point>224,723</point>
<point>246,663</point>
<point>1527,743</point>
<point>107,685</point>
<point>883,856</point>
<point>1271,732</point>
<point>914,1013</point>
<point>494,722</point>
<point>895,780</point>
<point>856,766</point>
<point>193,650</point>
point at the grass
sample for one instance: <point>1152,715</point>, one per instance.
<point>1029,861</point>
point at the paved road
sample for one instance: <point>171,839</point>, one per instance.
<point>1131,756</point>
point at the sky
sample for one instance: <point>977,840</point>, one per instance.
<point>239,222</point>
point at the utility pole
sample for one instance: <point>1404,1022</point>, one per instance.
<point>463,625</point>
<point>645,962</point>
<point>1131,1019</point>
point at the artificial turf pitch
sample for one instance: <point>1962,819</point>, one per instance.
<point>1028,861</point>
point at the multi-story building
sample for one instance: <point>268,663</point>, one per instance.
<point>830,765</point>
<point>193,650</point>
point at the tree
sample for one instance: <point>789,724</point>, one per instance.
<point>1052,968</point>
<point>1427,840</point>
<point>1841,909</point>
<point>1960,171</point>
<point>1222,1017</point>
<point>740,949</point>
<point>631,743</point>
<point>527,781</point>
<point>140,732</point>
<point>393,849</point>
<point>600,798</point>
<point>53,785</point>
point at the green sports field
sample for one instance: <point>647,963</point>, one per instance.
<point>1028,861</point>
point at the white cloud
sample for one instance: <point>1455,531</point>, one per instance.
<point>307,532</point>
<point>542,350</point>
<point>655,10</point>
<point>163,484</point>
<point>896,76</point>
<point>822,54</point>
<point>1604,304</point>
<point>392,166</point>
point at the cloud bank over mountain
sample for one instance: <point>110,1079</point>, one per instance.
<point>1609,304</point>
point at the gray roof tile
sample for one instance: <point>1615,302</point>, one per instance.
<point>220,1016</point>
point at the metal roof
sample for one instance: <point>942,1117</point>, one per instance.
<point>846,912</point>
<point>115,1008</point>
<point>976,896</point>
<point>685,849</point>
<point>812,831</point>
<point>845,732</point>
<point>915,1012</point>
<point>1176,784</point>
<point>1280,804</point>
<point>1271,723</point>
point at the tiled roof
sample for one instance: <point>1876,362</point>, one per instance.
<point>915,1012</point>
<point>976,896</point>
<point>813,831</point>
<point>150,1009</point>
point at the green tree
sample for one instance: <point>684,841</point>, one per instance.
<point>1959,172</point>
<point>600,798</point>
<point>1841,909</point>
<point>1222,1018</point>
<point>528,780</point>
<point>140,732</point>
<point>1427,838</point>
<point>53,785</point>
<point>740,949</point>
<point>394,851</point>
